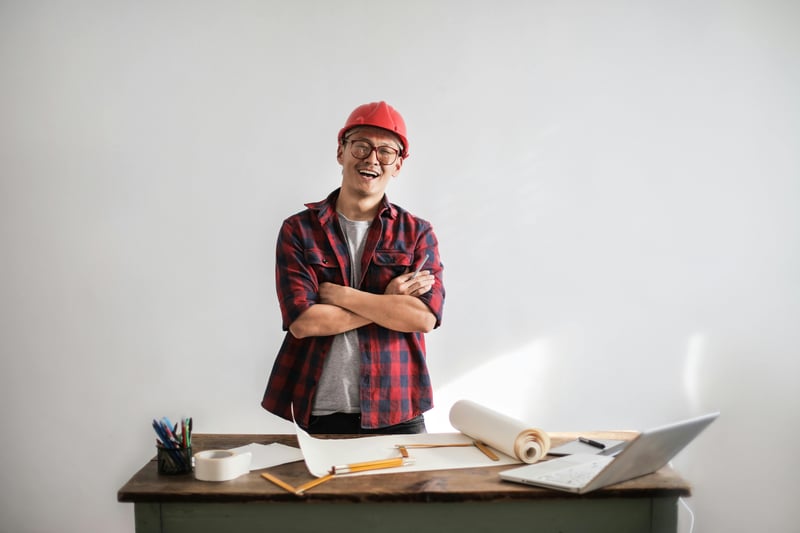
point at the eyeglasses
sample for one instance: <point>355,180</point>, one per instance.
<point>361,149</point>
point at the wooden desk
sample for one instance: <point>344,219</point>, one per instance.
<point>463,500</point>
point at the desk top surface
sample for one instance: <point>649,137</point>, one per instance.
<point>465,484</point>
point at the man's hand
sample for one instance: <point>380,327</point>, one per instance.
<point>404,284</point>
<point>330,292</point>
<point>398,308</point>
<point>408,285</point>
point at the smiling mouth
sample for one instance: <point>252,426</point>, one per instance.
<point>369,174</point>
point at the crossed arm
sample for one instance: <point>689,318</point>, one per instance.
<point>344,308</point>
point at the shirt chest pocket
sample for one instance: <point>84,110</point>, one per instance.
<point>323,265</point>
<point>391,263</point>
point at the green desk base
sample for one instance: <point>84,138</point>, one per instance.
<point>611,515</point>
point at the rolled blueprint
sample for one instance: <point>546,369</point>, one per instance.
<point>506,434</point>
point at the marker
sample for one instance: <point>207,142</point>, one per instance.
<point>591,442</point>
<point>419,267</point>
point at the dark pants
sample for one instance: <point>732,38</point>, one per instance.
<point>350,424</point>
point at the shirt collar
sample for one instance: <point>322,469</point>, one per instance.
<point>327,208</point>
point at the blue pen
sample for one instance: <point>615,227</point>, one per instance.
<point>161,435</point>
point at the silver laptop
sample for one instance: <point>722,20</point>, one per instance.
<point>581,473</point>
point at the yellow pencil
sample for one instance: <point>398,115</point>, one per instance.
<point>485,449</point>
<point>371,465</point>
<point>313,483</point>
<point>281,484</point>
<point>453,445</point>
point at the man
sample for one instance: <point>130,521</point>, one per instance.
<point>359,282</point>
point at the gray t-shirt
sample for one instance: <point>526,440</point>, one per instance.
<point>338,388</point>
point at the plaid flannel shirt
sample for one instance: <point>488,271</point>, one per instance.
<point>395,384</point>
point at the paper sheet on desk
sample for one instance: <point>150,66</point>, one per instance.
<point>321,454</point>
<point>267,455</point>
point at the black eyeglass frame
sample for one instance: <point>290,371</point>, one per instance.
<point>373,148</point>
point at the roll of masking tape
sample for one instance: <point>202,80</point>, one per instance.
<point>221,465</point>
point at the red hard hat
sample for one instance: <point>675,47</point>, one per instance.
<point>380,115</point>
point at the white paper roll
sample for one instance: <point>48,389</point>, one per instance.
<point>510,436</point>
<point>220,465</point>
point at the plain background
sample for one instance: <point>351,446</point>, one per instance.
<point>615,186</point>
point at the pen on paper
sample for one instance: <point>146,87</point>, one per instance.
<point>591,442</point>
<point>419,267</point>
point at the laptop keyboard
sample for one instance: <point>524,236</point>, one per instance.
<point>575,476</point>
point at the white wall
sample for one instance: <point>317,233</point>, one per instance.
<point>614,184</point>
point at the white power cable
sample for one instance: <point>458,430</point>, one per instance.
<point>691,514</point>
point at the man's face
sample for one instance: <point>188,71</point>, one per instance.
<point>368,176</point>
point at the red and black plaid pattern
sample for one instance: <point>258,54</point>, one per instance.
<point>395,384</point>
